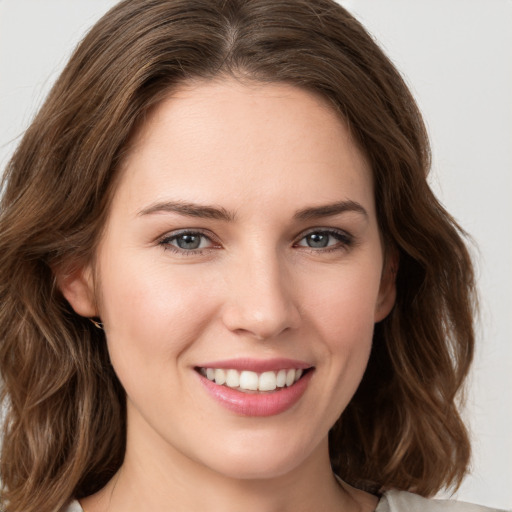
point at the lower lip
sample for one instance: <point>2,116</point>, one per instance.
<point>257,404</point>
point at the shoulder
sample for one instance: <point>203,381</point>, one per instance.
<point>402,501</point>
<point>74,506</point>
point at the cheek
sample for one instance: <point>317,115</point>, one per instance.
<point>151,314</point>
<point>342,314</point>
<point>342,304</point>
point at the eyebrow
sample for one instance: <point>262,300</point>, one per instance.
<point>330,210</point>
<point>189,210</point>
<point>220,213</point>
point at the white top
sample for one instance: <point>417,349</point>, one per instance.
<point>402,501</point>
<point>394,501</point>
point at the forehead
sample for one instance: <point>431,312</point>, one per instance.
<point>227,140</point>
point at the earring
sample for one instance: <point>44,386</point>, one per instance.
<point>97,324</point>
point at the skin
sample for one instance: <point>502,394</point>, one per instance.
<point>254,289</point>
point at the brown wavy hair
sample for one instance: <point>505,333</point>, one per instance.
<point>65,418</point>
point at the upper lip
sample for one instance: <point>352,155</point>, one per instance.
<point>256,365</point>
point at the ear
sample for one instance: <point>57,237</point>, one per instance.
<point>77,286</point>
<point>387,291</point>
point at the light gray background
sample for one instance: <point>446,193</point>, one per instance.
<point>457,57</point>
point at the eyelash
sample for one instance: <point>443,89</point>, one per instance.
<point>166,243</point>
<point>345,241</point>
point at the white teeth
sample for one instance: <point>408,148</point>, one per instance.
<point>290,377</point>
<point>232,379</point>
<point>268,381</point>
<point>281,378</point>
<point>220,377</point>
<point>251,381</point>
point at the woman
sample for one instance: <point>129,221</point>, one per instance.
<point>224,275</point>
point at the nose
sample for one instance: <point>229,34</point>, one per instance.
<point>263,300</point>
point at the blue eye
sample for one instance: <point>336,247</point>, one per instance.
<point>187,241</point>
<point>325,239</point>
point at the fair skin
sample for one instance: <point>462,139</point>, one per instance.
<point>285,263</point>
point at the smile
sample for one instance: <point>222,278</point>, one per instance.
<point>249,387</point>
<point>249,381</point>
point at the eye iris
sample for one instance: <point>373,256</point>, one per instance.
<point>317,240</point>
<point>188,241</point>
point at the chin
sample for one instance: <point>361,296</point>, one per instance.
<point>259,462</point>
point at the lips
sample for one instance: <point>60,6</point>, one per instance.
<point>256,387</point>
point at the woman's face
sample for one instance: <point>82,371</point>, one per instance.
<point>242,244</point>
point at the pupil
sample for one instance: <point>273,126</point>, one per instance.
<point>318,240</point>
<point>189,241</point>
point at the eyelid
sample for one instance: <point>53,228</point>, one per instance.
<point>344,237</point>
<point>165,241</point>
